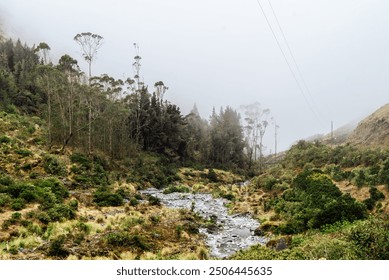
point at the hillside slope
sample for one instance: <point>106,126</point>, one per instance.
<point>374,130</point>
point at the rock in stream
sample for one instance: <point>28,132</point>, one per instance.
<point>229,234</point>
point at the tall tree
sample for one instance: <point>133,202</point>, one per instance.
<point>48,80</point>
<point>69,67</point>
<point>90,43</point>
<point>256,123</point>
<point>43,50</point>
<point>226,138</point>
<point>197,136</point>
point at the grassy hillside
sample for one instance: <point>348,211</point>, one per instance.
<point>322,202</point>
<point>319,201</point>
<point>373,130</point>
<point>71,206</point>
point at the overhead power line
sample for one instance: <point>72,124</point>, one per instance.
<point>302,91</point>
<point>292,55</point>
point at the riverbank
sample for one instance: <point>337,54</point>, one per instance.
<point>225,234</point>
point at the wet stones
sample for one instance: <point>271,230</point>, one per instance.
<point>225,234</point>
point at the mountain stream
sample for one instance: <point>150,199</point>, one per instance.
<point>230,233</point>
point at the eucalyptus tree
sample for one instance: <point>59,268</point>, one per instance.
<point>160,89</point>
<point>109,109</point>
<point>47,80</point>
<point>43,50</point>
<point>90,43</point>
<point>71,71</point>
<point>256,123</point>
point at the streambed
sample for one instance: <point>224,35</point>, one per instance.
<point>230,233</point>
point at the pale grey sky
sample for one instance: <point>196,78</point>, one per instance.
<point>222,52</point>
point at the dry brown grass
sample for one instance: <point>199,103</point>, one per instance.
<point>362,193</point>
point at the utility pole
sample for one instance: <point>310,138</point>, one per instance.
<point>332,132</point>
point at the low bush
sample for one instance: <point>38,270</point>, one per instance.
<point>228,196</point>
<point>314,201</point>
<point>371,238</point>
<point>61,212</point>
<point>103,197</point>
<point>124,239</point>
<point>6,180</point>
<point>53,165</point>
<point>55,186</point>
<point>81,159</point>
<point>5,199</point>
<point>153,200</point>
<point>18,204</point>
<point>212,176</point>
<point>56,247</point>
<point>5,139</point>
<point>173,189</point>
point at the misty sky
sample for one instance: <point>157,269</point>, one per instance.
<point>222,52</point>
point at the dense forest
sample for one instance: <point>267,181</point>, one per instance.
<point>77,149</point>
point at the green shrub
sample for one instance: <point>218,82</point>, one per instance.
<point>153,200</point>
<point>18,204</point>
<point>85,228</point>
<point>6,180</point>
<point>55,186</point>
<point>61,212</point>
<point>73,204</point>
<point>5,199</point>
<point>212,176</point>
<point>47,199</point>
<point>124,239</point>
<point>53,165</point>
<point>228,196</point>
<point>56,247</point>
<point>179,189</point>
<point>15,190</point>
<point>33,175</point>
<point>369,203</point>
<point>314,201</point>
<point>5,139</point>
<point>134,201</point>
<point>13,250</point>
<point>103,197</point>
<point>155,219</point>
<point>81,159</point>
<point>35,229</point>
<point>83,179</point>
<point>16,216</point>
<point>30,193</point>
<point>375,194</point>
<point>383,174</point>
<point>371,237</point>
<point>23,152</point>
<point>43,217</point>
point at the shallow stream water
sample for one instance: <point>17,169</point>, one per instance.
<point>230,233</point>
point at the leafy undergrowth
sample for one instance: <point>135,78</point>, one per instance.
<point>141,232</point>
<point>319,202</point>
<point>360,240</point>
<point>72,206</point>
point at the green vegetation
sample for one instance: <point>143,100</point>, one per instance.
<point>314,201</point>
<point>74,154</point>
<point>172,189</point>
<point>366,240</point>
